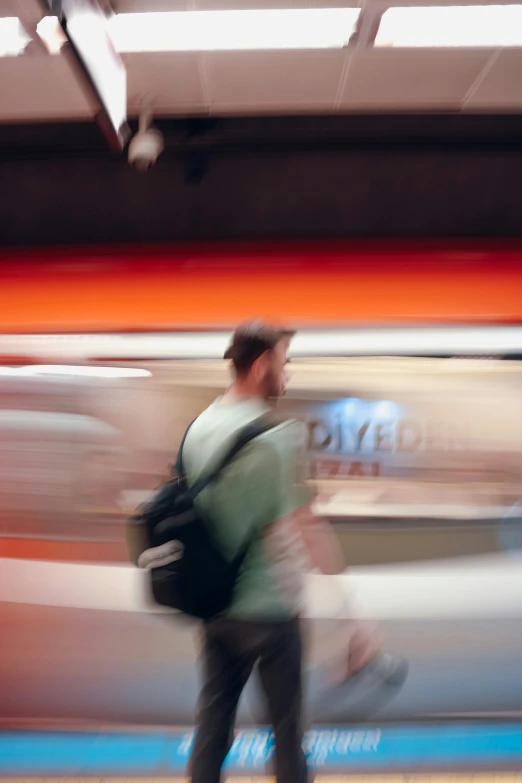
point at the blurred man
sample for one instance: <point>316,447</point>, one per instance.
<point>264,490</point>
<point>259,491</point>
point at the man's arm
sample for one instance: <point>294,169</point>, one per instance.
<point>317,533</point>
<point>320,541</point>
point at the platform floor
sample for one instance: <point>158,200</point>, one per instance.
<point>424,778</point>
<point>451,753</point>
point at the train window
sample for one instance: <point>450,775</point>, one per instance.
<point>411,459</point>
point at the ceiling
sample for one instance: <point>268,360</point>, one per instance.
<point>360,78</point>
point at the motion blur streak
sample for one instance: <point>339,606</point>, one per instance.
<point>326,283</point>
<point>415,460</point>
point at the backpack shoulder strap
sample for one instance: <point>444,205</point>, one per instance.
<point>264,423</point>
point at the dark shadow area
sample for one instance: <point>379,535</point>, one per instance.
<point>274,177</point>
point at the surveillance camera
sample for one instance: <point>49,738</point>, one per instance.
<point>145,148</point>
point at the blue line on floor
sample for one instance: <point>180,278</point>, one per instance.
<point>338,748</point>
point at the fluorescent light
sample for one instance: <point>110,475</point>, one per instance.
<point>13,37</point>
<point>309,28</point>
<point>86,371</point>
<point>51,33</point>
<point>87,29</point>
<point>446,26</point>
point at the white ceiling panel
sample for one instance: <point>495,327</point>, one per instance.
<point>400,78</point>
<point>215,5</point>
<point>265,80</point>
<point>501,86</point>
<point>139,6</point>
<point>171,81</point>
<point>40,88</point>
<point>35,86</point>
<point>25,9</point>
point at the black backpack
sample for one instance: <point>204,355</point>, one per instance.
<point>188,572</point>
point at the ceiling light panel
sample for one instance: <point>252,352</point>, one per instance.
<point>309,28</point>
<point>13,37</point>
<point>451,26</point>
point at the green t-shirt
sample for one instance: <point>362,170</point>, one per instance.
<point>262,485</point>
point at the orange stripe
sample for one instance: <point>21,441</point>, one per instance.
<point>63,551</point>
<point>316,283</point>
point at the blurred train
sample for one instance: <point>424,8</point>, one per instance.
<point>415,443</point>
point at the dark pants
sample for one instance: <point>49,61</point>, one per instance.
<point>231,649</point>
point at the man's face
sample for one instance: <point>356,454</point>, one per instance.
<point>276,374</point>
